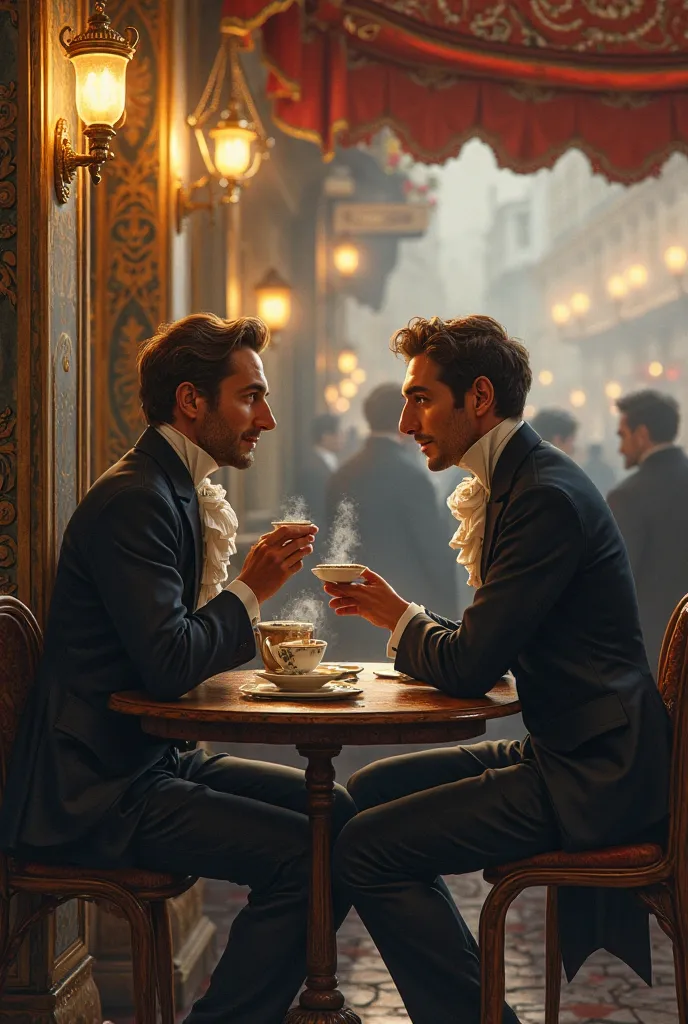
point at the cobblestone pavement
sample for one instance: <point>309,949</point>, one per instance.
<point>605,991</point>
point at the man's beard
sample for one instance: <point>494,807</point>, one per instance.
<point>224,446</point>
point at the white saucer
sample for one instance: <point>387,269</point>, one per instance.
<point>392,673</point>
<point>328,691</point>
<point>292,679</point>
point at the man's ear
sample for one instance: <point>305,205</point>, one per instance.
<point>187,400</point>
<point>484,395</point>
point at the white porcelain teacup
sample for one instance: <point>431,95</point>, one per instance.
<point>297,656</point>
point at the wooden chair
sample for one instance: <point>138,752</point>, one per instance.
<point>138,895</point>
<point>659,877</point>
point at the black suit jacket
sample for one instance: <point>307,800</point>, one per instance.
<point>557,607</point>
<point>121,618</point>
<point>650,508</point>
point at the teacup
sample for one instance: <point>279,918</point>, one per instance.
<point>297,657</point>
<point>338,573</point>
<point>277,632</point>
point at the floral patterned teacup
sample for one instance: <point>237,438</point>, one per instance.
<point>298,656</point>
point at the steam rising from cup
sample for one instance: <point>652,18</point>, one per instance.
<point>305,607</point>
<point>344,537</point>
<point>294,510</point>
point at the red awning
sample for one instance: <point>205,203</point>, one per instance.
<point>530,77</point>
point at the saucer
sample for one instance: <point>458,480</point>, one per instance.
<point>300,681</point>
<point>328,691</point>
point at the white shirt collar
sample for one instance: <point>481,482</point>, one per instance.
<point>328,457</point>
<point>197,461</point>
<point>482,457</point>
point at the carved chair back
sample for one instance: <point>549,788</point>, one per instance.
<point>20,649</point>
<point>673,686</point>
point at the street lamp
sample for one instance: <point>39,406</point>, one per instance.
<point>273,297</point>
<point>636,275</point>
<point>561,314</point>
<point>347,361</point>
<point>346,257</point>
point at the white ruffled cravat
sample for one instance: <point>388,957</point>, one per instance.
<point>218,519</point>
<point>468,502</point>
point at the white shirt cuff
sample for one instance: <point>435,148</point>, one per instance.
<point>410,613</point>
<point>247,598</point>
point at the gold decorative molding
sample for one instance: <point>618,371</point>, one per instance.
<point>131,265</point>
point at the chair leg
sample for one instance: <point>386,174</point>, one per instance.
<point>164,963</point>
<point>492,926</point>
<point>553,964</point>
<point>142,955</point>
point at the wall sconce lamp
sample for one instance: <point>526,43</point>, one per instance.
<point>239,138</point>
<point>273,299</point>
<point>99,57</point>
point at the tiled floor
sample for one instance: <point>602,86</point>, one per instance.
<point>604,992</point>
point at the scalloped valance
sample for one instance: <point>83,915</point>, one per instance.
<point>530,77</point>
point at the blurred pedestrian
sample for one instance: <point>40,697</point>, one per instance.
<point>403,534</point>
<point>320,463</point>
<point>598,469</point>
<point>650,508</point>
<point>558,427</point>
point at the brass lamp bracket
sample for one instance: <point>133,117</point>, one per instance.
<point>66,161</point>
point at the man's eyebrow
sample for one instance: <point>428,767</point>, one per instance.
<point>414,389</point>
<point>258,386</point>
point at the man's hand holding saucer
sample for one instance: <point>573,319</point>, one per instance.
<point>373,600</point>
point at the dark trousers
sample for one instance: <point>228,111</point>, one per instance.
<point>244,821</point>
<point>423,815</point>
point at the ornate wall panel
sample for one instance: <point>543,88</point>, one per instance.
<point>132,233</point>
<point>8,296</point>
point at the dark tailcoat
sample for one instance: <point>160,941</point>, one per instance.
<point>403,535</point>
<point>557,607</point>
<point>121,618</point>
<point>650,508</point>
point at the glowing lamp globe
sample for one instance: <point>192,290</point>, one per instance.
<point>359,375</point>
<point>580,303</point>
<point>561,314</point>
<point>636,275</point>
<point>348,389</point>
<point>346,257</point>
<point>578,398</point>
<point>347,361</point>
<point>273,297</point>
<point>613,390</point>
<point>342,404</point>
<point>100,87</point>
<point>675,259</point>
<point>617,287</point>
<point>546,377</point>
<point>655,369</point>
<point>233,148</point>
<point>331,394</point>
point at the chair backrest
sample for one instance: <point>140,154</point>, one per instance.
<point>673,686</point>
<point>20,649</point>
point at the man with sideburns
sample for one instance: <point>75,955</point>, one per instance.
<point>555,605</point>
<point>142,601</point>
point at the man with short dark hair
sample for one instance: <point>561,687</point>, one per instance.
<point>555,604</point>
<point>558,427</point>
<point>398,520</point>
<point>320,462</point>
<point>650,508</point>
<point>142,601</point>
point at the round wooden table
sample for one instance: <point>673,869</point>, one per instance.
<point>388,711</point>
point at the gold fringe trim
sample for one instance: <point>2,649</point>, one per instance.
<point>235,26</point>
